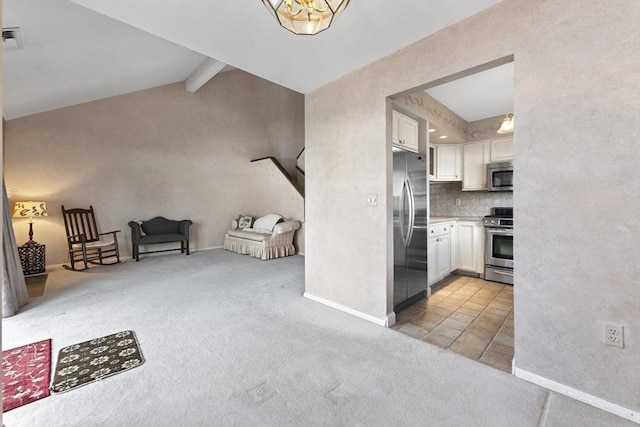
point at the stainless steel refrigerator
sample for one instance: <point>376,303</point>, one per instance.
<point>409,227</point>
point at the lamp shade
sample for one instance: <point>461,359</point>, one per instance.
<point>305,16</point>
<point>507,124</point>
<point>30,209</point>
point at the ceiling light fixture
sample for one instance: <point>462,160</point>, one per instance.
<point>443,136</point>
<point>507,124</point>
<point>305,16</point>
<point>432,130</point>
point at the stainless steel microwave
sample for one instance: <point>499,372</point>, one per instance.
<point>500,176</point>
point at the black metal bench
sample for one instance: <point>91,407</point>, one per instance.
<point>159,230</point>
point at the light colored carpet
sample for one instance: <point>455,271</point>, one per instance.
<point>228,340</point>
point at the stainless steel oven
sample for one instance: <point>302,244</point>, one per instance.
<point>499,246</point>
<point>500,176</point>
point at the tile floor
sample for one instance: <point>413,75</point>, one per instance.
<point>469,316</point>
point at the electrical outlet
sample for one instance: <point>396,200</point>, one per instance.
<point>614,335</point>
<point>458,202</point>
<point>372,200</point>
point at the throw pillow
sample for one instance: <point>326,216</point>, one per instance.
<point>245,221</point>
<point>142,233</point>
<point>266,223</point>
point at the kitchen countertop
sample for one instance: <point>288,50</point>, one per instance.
<point>436,219</point>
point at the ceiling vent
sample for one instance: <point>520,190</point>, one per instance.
<point>11,39</point>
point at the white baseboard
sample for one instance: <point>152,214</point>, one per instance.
<point>390,320</point>
<point>207,248</point>
<point>578,395</point>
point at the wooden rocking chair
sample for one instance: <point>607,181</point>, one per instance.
<point>84,240</point>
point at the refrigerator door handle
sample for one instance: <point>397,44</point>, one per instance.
<point>403,227</point>
<point>412,213</point>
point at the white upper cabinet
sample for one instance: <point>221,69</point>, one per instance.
<point>476,157</point>
<point>501,150</point>
<point>405,131</point>
<point>448,163</point>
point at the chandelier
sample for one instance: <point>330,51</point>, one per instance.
<point>305,16</point>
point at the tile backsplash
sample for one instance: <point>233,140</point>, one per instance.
<point>443,197</point>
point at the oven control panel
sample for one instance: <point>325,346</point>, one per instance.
<point>498,222</point>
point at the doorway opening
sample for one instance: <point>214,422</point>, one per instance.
<point>468,309</point>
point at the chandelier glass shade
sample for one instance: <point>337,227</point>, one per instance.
<point>305,16</point>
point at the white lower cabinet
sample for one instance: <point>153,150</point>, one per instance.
<point>454,246</point>
<point>470,247</point>
<point>439,251</point>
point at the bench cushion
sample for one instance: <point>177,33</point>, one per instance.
<point>249,235</point>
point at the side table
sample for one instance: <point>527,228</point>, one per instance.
<point>32,258</point>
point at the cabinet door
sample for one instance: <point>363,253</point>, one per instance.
<point>443,255</point>
<point>408,132</point>
<point>454,247</point>
<point>395,128</point>
<point>474,171</point>
<point>405,131</point>
<point>467,255</point>
<point>502,150</point>
<point>448,163</point>
<point>471,246</point>
<point>432,264</point>
<point>439,251</point>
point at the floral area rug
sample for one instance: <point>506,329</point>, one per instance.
<point>93,360</point>
<point>26,372</point>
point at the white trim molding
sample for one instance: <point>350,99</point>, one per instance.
<point>581,396</point>
<point>201,75</point>
<point>388,321</point>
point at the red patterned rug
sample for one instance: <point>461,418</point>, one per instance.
<point>26,372</point>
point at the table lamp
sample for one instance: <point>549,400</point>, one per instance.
<point>30,210</point>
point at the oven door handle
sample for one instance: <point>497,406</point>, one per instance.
<point>503,272</point>
<point>500,230</point>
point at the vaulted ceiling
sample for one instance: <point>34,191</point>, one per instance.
<point>82,50</point>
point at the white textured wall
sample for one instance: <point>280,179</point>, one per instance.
<point>445,121</point>
<point>577,198</point>
<point>161,151</point>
